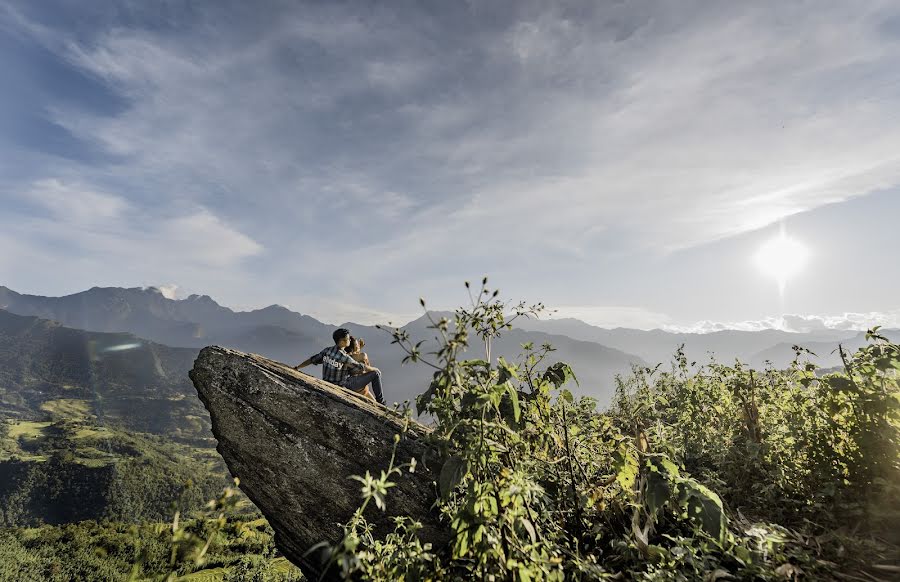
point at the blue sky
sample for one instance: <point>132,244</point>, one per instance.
<point>621,161</point>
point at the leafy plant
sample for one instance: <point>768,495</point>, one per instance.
<point>537,484</point>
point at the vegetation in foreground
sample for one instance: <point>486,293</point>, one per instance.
<point>707,472</point>
<point>221,544</point>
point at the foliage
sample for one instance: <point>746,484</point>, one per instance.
<point>114,474</point>
<point>220,543</point>
<point>788,445</point>
<point>536,484</point>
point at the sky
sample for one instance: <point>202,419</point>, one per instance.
<point>621,162</point>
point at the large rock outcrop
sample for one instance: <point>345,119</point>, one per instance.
<point>294,441</point>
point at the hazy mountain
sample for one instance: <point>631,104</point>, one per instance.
<point>196,321</point>
<point>596,354</point>
<point>290,337</point>
<point>827,355</point>
<point>595,365</point>
<point>658,345</point>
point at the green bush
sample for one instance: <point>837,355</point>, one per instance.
<point>710,473</point>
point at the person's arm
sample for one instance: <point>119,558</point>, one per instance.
<point>349,361</point>
<point>316,359</point>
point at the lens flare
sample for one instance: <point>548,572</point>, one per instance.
<point>121,347</point>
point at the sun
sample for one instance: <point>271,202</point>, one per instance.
<point>781,258</point>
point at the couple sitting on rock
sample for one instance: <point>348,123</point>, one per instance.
<point>346,365</point>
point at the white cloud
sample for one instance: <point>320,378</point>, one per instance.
<point>203,238</point>
<point>73,203</point>
<point>90,226</point>
<point>800,323</point>
<point>169,290</point>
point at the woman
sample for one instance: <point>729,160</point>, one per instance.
<point>354,350</point>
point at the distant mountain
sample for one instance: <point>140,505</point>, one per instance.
<point>281,334</point>
<point>196,321</point>
<point>595,365</point>
<point>658,346</point>
<point>827,354</point>
<point>596,354</point>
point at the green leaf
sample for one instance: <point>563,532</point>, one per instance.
<point>743,555</point>
<point>658,491</point>
<point>530,529</point>
<point>704,508</point>
<point>452,473</point>
<point>626,465</point>
<point>474,363</point>
<point>841,383</point>
<point>669,467</point>
<point>559,373</point>
<point>514,398</point>
<point>461,547</point>
<point>507,371</point>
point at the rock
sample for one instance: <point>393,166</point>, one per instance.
<point>294,440</point>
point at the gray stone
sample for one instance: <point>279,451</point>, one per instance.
<point>294,441</point>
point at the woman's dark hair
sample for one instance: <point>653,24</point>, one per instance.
<point>339,333</point>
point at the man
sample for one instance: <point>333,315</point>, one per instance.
<point>338,366</point>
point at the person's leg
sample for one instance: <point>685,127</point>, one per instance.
<point>376,387</point>
<point>357,382</point>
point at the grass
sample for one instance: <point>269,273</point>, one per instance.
<point>27,429</point>
<point>208,575</point>
<point>280,565</point>
<point>6,456</point>
<point>68,408</point>
<point>85,432</point>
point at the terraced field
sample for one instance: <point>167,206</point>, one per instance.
<point>278,565</point>
<point>20,439</point>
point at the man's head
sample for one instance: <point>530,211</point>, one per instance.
<point>341,337</point>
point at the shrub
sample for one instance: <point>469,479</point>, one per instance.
<point>535,483</point>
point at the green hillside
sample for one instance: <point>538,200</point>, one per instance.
<point>70,470</point>
<point>102,441</point>
<point>50,372</point>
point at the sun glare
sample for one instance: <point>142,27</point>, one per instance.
<point>781,258</point>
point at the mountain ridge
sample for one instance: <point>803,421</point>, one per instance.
<point>284,335</point>
<point>597,354</point>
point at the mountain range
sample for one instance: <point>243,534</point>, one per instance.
<point>596,354</point>
<point>290,337</point>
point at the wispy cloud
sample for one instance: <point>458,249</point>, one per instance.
<point>402,144</point>
<point>76,232</point>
